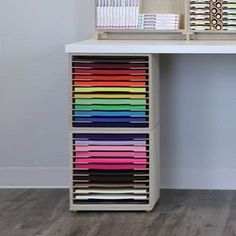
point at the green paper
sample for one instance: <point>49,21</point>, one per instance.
<point>109,108</point>
<point>111,101</point>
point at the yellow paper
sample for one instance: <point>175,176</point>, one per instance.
<point>109,89</point>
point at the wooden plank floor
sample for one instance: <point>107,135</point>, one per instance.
<point>179,213</point>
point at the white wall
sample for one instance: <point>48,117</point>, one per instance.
<point>34,87</point>
<point>198,100</point>
<point>198,128</point>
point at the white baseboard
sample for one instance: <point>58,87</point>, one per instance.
<point>58,177</point>
<point>34,177</point>
<point>220,179</point>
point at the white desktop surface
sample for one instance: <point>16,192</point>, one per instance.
<point>152,46</point>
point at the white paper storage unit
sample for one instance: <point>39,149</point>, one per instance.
<point>114,131</point>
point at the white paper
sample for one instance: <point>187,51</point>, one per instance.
<point>111,191</point>
<point>111,197</point>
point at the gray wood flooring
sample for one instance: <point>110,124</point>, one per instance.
<point>178,213</point>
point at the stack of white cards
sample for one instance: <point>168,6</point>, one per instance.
<point>117,14</point>
<point>152,21</point>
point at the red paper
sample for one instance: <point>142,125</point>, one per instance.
<point>109,72</point>
<point>113,77</point>
<point>110,84</point>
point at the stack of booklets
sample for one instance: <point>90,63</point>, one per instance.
<point>117,14</point>
<point>152,21</point>
<point>110,91</point>
<point>110,168</point>
<point>229,15</point>
<point>200,15</point>
<point>213,15</point>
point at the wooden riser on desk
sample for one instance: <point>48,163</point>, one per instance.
<point>217,36</point>
<point>181,7</point>
<point>165,35</point>
<point>140,35</point>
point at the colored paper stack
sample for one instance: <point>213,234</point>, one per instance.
<point>213,15</point>
<point>152,21</point>
<point>110,92</point>
<point>110,168</point>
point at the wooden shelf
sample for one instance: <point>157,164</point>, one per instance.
<point>213,35</point>
<point>140,35</point>
<point>181,7</point>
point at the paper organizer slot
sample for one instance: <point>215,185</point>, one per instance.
<point>110,91</point>
<point>83,148</point>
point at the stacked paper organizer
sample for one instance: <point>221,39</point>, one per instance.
<point>111,168</point>
<point>114,132</point>
<point>110,92</point>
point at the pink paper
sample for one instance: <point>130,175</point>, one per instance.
<point>111,167</point>
<point>82,148</point>
<point>110,160</point>
<point>111,154</point>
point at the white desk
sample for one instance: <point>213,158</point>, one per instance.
<point>155,47</point>
<point>152,49</point>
